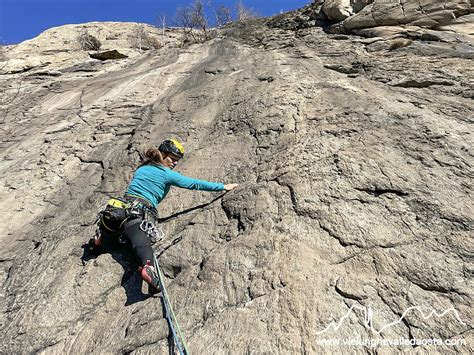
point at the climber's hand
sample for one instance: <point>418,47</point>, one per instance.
<point>229,187</point>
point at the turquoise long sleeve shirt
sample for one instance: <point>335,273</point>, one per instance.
<point>152,182</point>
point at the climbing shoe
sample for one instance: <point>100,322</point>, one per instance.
<point>150,276</point>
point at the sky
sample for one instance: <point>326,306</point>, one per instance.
<point>25,19</point>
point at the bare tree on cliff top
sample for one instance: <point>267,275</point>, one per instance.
<point>194,22</point>
<point>244,12</point>
<point>162,22</point>
<point>223,15</point>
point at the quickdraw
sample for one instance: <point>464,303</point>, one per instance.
<point>155,234</point>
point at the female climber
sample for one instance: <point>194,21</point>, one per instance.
<point>148,187</point>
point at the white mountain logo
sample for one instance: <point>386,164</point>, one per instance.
<point>368,314</point>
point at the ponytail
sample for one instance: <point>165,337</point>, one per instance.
<point>151,155</point>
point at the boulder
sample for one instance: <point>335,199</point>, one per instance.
<point>425,13</point>
<point>337,10</point>
<point>358,5</point>
<point>114,54</point>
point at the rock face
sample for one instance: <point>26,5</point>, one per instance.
<point>353,219</point>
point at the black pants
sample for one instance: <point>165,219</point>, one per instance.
<point>134,238</point>
<point>139,241</point>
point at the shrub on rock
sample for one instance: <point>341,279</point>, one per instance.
<point>88,42</point>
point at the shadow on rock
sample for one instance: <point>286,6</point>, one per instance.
<point>131,280</point>
<point>188,210</point>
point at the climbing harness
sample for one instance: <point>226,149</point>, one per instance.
<point>178,338</point>
<point>118,211</point>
